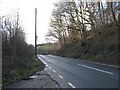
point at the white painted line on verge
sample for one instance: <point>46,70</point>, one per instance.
<point>71,85</point>
<point>60,76</point>
<point>96,69</point>
<point>54,71</point>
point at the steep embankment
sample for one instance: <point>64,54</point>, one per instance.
<point>100,49</point>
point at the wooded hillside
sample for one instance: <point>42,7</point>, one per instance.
<point>86,30</point>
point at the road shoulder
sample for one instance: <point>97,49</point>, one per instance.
<point>39,80</point>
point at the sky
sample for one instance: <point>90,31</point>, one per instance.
<point>26,10</point>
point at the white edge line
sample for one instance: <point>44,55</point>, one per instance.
<point>97,69</point>
<point>60,76</point>
<point>46,65</point>
<point>102,64</point>
<point>71,85</point>
<point>78,64</point>
<point>54,71</point>
<point>92,62</point>
<point>114,66</point>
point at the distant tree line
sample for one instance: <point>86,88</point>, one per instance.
<point>75,21</point>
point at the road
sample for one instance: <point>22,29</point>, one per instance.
<point>74,73</point>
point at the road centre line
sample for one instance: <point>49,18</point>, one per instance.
<point>60,76</point>
<point>96,69</point>
<point>71,85</point>
<point>79,64</point>
<point>50,68</point>
<point>53,70</point>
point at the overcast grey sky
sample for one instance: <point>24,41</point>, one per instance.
<point>27,15</point>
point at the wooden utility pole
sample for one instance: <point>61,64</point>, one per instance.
<point>36,33</point>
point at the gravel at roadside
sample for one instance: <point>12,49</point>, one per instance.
<point>38,80</point>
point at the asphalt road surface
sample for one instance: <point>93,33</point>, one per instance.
<point>74,73</point>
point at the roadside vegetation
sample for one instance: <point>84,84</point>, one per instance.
<point>86,30</point>
<point>47,48</point>
<point>18,61</point>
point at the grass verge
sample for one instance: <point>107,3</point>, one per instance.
<point>12,73</point>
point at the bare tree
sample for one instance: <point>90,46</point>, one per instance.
<point>13,37</point>
<point>73,21</point>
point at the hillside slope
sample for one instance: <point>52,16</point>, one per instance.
<point>103,50</point>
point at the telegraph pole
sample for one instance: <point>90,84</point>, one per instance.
<point>36,33</point>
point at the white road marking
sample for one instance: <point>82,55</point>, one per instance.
<point>46,65</point>
<point>50,68</point>
<point>60,76</point>
<point>71,85</point>
<point>54,71</point>
<point>102,64</point>
<point>79,64</point>
<point>97,69</point>
<point>114,66</point>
